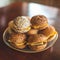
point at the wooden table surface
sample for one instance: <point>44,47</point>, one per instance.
<point>17,9</point>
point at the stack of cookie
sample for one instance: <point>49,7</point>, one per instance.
<point>33,32</point>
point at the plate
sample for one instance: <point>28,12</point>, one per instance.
<point>26,50</point>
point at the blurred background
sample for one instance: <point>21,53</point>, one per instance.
<point>55,3</point>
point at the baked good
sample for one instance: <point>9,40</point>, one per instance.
<point>21,24</point>
<point>32,31</point>
<point>37,42</point>
<point>39,22</point>
<point>49,32</point>
<point>18,40</point>
<point>10,30</point>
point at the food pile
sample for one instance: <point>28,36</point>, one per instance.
<point>33,33</point>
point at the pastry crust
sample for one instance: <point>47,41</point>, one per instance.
<point>49,32</point>
<point>32,31</point>
<point>39,22</point>
<point>17,40</point>
<point>37,42</point>
<point>37,38</point>
<point>20,24</point>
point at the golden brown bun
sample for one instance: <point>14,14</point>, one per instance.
<point>51,38</point>
<point>10,31</point>
<point>34,42</point>
<point>17,39</point>
<point>38,48</point>
<point>10,24</point>
<point>49,32</point>
<point>40,21</point>
<point>37,38</point>
<point>32,31</point>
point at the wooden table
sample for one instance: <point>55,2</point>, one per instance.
<point>17,9</point>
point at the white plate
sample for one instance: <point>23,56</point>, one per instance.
<point>26,50</point>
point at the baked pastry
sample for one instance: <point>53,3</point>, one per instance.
<point>10,24</point>
<point>32,31</point>
<point>49,32</point>
<point>18,40</point>
<point>37,42</point>
<point>20,24</point>
<point>39,22</point>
